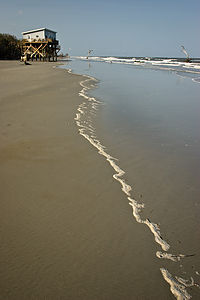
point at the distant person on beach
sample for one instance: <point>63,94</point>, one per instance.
<point>24,59</point>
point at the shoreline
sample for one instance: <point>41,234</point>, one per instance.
<point>67,226</point>
<point>177,285</point>
<point>62,225</point>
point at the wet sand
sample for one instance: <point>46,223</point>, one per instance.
<point>66,227</point>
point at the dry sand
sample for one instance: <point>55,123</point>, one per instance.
<point>66,228</point>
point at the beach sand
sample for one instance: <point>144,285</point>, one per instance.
<point>67,231</point>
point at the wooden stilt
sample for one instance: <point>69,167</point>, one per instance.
<point>45,50</point>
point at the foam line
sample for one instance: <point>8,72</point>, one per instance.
<point>86,132</point>
<point>186,282</point>
<point>177,285</point>
<point>169,256</point>
<point>157,235</point>
<point>178,289</point>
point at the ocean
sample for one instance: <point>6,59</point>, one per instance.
<point>142,116</point>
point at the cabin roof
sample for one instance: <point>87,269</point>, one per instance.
<point>40,29</point>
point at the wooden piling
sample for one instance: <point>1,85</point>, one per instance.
<point>40,49</point>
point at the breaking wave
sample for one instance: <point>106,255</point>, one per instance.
<point>169,64</point>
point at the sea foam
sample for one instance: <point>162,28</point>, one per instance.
<point>83,121</point>
<point>85,131</point>
<point>170,64</point>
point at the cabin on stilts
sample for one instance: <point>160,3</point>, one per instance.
<point>40,44</point>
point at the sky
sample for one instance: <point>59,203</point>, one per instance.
<point>113,28</point>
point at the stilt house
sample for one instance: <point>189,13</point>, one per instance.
<point>40,44</point>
